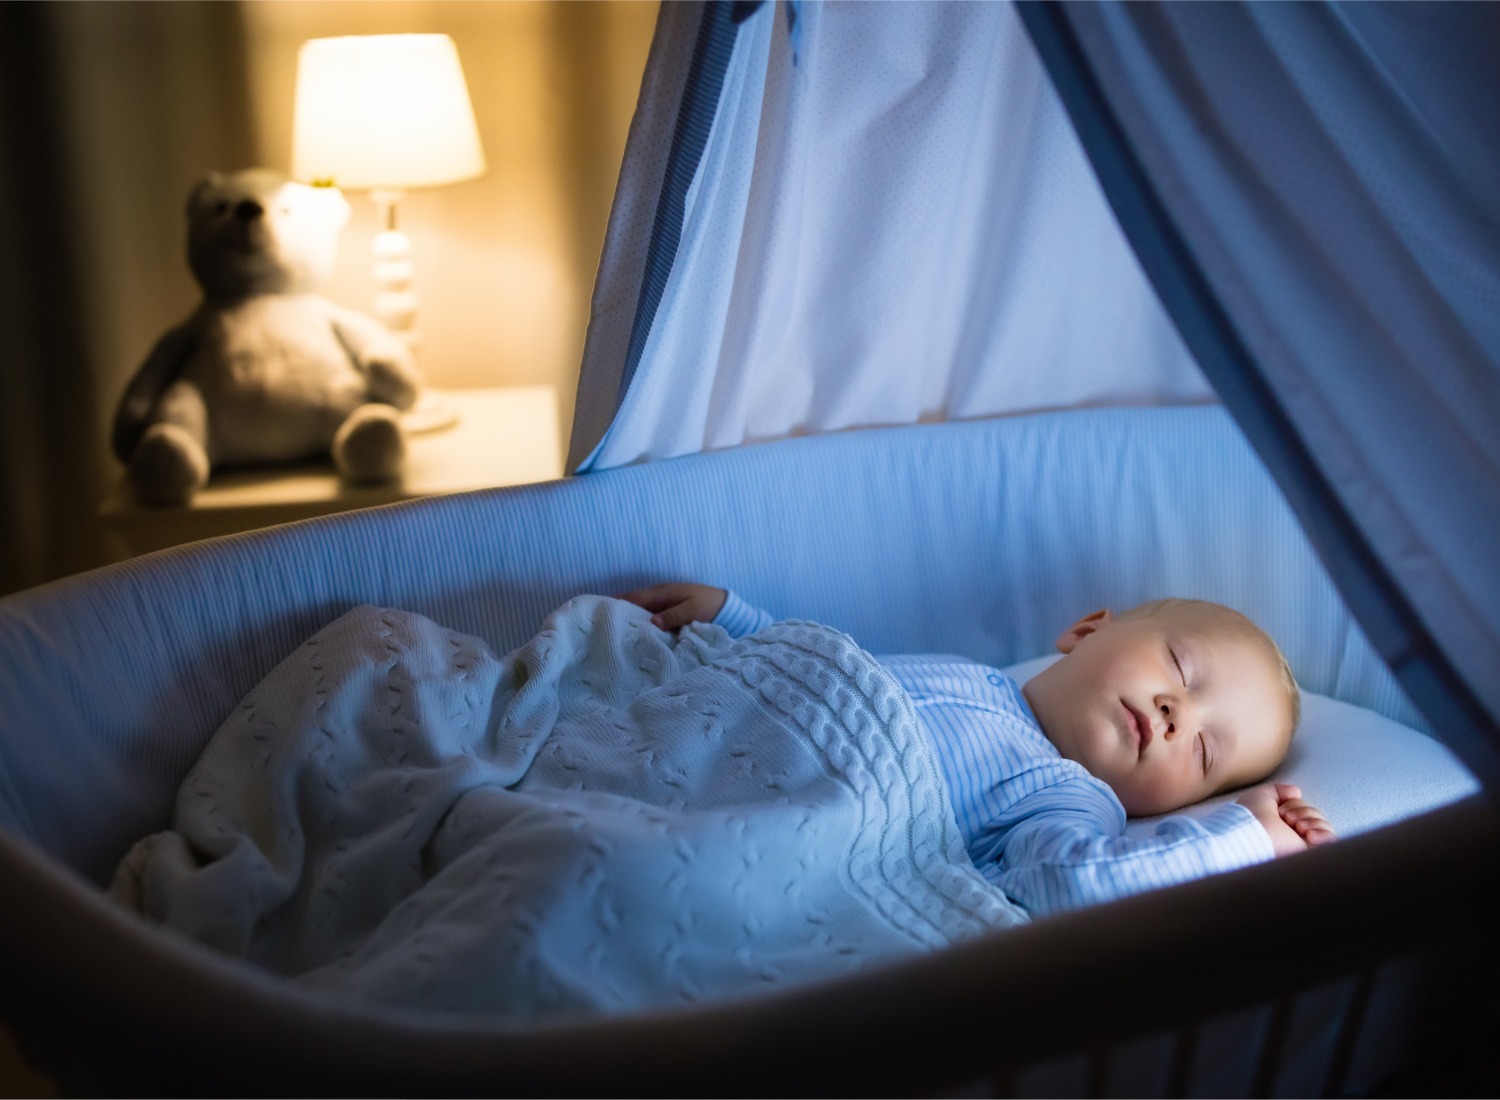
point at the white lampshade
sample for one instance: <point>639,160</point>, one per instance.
<point>383,111</point>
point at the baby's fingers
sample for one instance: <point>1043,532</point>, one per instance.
<point>657,598</point>
<point>1296,808</point>
<point>1303,823</point>
<point>670,618</point>
<point>1308,821</point>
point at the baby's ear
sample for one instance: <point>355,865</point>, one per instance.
<point>1082,629</point>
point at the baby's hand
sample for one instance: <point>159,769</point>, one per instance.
<point>675,605</point>
<point>1305,818</point>
<point>1292,824</point>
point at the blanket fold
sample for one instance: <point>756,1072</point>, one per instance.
<point>610,818</point>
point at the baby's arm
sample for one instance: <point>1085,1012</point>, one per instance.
<point>1289,820</point>
<point>1064,845</point>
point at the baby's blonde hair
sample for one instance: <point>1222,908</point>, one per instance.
<point>1239,622</point>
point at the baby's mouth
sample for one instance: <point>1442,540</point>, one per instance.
<point>1140,726</point>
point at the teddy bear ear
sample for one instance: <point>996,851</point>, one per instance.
<point>208,183</point>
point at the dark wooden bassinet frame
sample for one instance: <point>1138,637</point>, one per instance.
<point>108,1007</point>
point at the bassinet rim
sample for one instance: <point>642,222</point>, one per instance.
<point>873,1033</point>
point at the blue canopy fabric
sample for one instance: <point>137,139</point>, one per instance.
<point>1314,190</point>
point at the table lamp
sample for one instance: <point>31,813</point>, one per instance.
<point>385,113</point>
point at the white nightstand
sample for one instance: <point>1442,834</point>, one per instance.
<point>504,436</point>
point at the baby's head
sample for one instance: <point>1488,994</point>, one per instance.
<point>1169,702</point>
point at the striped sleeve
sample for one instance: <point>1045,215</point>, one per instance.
<point>738,618</point>
<point>1070,850</point>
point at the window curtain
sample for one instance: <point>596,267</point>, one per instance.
<point>108,113</point>
<point>851,215</point>
<point>1315,191</point>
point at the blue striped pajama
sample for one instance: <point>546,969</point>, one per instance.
<point>1037,825</point>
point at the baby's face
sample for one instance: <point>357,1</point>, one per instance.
<point>1167,709</point>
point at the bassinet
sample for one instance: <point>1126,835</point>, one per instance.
<point>1358,968</point>
<point>113,681</point>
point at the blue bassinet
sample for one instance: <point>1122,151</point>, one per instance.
<point>114,680</point>
<point>1359,968</point>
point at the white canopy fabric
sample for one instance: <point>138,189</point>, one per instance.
<point>1315,189</point>
<point>892,222</point>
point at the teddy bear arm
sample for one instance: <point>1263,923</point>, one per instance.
<point>386,362</point>
<point>138,403</point>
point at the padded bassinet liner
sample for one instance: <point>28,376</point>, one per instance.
<point>981,538</point>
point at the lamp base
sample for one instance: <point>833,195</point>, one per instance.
<point>395,274</point>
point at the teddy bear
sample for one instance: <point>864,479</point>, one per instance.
<point>265,370</point>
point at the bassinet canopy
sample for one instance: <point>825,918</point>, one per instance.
<point>880,215</point>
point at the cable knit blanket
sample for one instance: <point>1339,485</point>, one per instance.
<point>610,818</point>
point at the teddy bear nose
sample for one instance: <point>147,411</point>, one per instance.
<point>248,210</point>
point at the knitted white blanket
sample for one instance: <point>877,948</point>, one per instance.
<point>610,818</point>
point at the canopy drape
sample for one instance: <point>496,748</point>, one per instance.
<point>1315,192</point>
<point>883,218</point>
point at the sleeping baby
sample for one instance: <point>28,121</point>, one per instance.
<point>612,817</point>
<point>1147,712</point>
